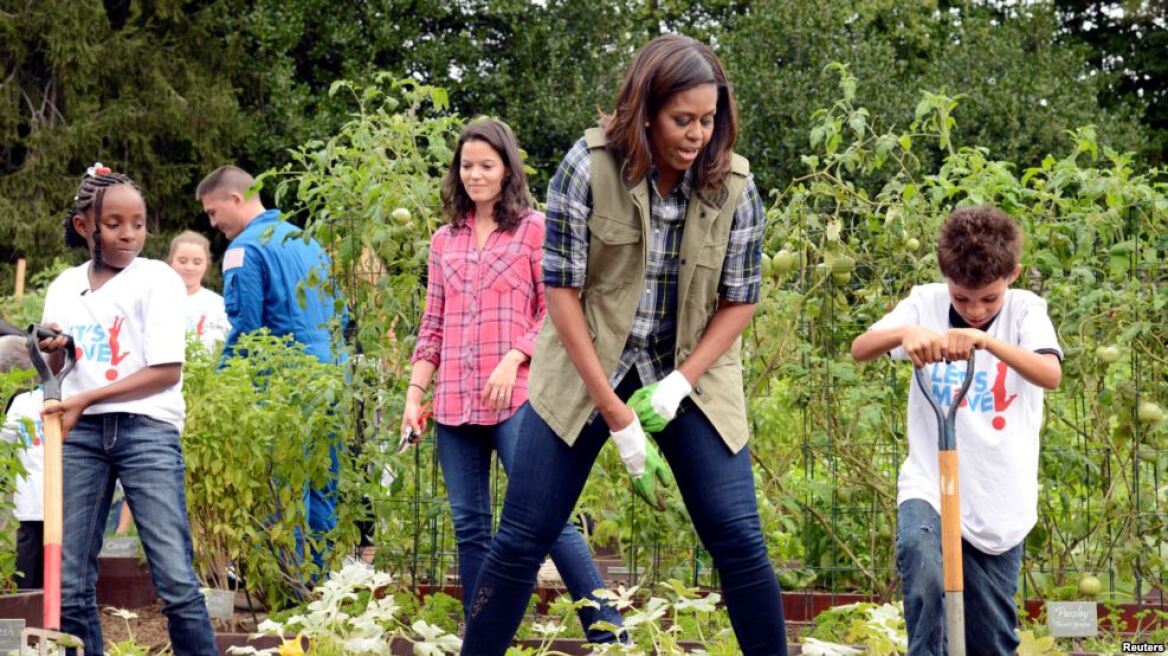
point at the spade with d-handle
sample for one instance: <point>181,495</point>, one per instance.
<point>51,634</point>
<point>950,508</point>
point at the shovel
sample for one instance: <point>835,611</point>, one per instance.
<point>954,577</point>
<point>41,639</point>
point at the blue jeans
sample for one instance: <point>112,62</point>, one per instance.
<point>990,584</point>
<point>716,485</point>
<point>465,455</point>
<point>320,508</point>
<point>146,455</point>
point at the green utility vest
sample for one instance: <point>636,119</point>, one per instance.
<point>617,253</point>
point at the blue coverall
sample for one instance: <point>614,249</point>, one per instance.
<point>262,269</point>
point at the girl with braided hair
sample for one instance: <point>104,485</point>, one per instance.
<point>122,409</point>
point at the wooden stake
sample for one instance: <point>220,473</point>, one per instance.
<point>20,266</point>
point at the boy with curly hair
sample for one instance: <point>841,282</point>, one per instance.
<point>937,327</point>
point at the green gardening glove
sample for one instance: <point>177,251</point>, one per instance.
<point>656,404</point>
<point>645,485</point>
<point>642,403</point>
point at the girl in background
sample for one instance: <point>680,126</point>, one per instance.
<point>190,254</point>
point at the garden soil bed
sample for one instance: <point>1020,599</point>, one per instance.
<point>150,627</point>
<point>25,606</point>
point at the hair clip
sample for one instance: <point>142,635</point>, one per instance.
<point>98,169</point>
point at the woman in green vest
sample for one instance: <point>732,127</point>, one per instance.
<point>652,268</point>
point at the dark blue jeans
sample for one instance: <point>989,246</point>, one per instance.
<point>548,476</point>
<point>990,584</point>
<point>146,455</point>
<point>465,454</point>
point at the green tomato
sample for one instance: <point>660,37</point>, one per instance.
<point>1107,354</point>
<point>767,266</point>
<point>784,261</point>
<point>1090,586</point>
<point>912,244</point>
<point>841,263</point>
<point>841,277</point>
<point>401,215</point>
<point>1150,413</point>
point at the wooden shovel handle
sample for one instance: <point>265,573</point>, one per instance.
<point>950,522</point>
<point>53,480</point>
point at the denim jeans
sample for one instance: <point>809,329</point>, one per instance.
<point>146,455</point>
<point>30,552</point>
<point>716,485</point>
<point>320,508</point>
<point>465,455</point>
<point>990,583</point>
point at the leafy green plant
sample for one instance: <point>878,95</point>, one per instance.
<point>370,195</point>
<point>352,613</point>
<point>1033,645</point>
<point>11,470</point>
<point>257,433</point>
<point>879,628</point>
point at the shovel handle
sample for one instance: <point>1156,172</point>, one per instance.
<point>950,522</point>
<point>51,381</point>
<point>53,480</point>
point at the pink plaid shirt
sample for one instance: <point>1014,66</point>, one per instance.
<point>478,307</point>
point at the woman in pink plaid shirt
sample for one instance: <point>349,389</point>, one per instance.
<point>484,309</point>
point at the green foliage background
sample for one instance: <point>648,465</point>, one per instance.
<point>165,90</point>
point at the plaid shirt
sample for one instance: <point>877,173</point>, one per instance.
<point>478,307</point>
<point>651,339</point>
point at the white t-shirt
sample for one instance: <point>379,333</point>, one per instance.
<point>29,497</point>
<point>997,428</point>
<point>136,319</point>
<point>207,318</point>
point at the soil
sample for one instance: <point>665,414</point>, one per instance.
<point>149,629</point>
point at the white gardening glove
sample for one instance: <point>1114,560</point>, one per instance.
<point>630,442</point>
<point>656,404</point>
<point>647,470</point>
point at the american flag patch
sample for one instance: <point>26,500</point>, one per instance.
<point>233,259</point>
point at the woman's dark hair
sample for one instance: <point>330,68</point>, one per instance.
<point>513,202</point>
<point>90,194</point>
<point>667,65</point>
<point>978,245</point>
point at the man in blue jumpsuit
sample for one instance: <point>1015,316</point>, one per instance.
<point>262,270</point>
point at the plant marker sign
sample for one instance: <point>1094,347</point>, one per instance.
<point>1072,619</point>
<point>10,635</point>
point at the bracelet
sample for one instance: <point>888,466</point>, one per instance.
<point>420,388</point>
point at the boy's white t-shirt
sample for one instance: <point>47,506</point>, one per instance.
<point>29,497</point>
<point>207,317</point>
<point>136,319</point>
<point>997,427</point>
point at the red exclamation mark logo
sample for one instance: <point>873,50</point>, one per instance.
<point>116,354</point>
<point>1001,402</point>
